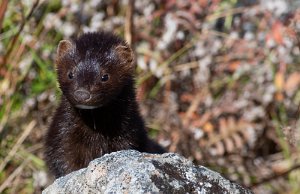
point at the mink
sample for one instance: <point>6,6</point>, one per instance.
<point>98,112</point>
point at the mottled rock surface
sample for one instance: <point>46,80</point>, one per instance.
<point>134,172</point>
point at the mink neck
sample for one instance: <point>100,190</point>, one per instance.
<point>107,119</point>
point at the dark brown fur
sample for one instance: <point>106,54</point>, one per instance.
<point>112,121</point>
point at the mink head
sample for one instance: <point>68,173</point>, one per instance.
<point>94,69</point>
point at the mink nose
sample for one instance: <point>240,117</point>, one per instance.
<point>82,95</point>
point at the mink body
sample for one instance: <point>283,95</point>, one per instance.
<point>98,112</point>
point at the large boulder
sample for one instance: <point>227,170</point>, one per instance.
<point>130,171</point>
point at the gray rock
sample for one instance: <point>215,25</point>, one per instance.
<point>134,172</point>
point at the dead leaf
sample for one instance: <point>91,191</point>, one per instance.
<point>233,66</point>
<point>279,81</point>
<point>277,32</point>
<point>279,96</point>
<point>292,82</point>
<point>208,127</point>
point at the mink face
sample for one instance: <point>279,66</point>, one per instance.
<point>93,70</point>
<point>98,112</point>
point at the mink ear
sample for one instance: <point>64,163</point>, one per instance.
<point>126,54</point>
<point>64,47</point>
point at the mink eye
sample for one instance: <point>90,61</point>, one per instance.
<point>70,75</point>
<point>104,77</point>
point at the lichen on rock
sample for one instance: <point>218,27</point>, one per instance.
<point>130,171</point>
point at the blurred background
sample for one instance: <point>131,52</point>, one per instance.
<point>217,81</point>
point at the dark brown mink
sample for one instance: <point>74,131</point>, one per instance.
<point>98,112</point>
